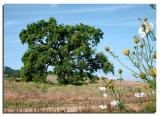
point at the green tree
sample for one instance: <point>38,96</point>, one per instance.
<point>68,49</point>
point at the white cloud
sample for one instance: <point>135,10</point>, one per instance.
<point>58,9</point>
<point>101,22</point>
<point>79,10</point>
<point>100,9</point>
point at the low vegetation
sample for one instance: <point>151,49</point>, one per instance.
<point>50,97</point>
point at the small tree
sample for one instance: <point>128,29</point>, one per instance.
<point>68,49</point>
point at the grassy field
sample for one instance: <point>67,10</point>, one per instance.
<point>34,97</point>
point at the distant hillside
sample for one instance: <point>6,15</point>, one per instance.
<point>11,72</point>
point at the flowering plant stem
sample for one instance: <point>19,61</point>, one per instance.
<point>120,104</point>
<point>123,64</point>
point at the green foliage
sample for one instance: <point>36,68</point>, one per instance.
<point>69,49</point>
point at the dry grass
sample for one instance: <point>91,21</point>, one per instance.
<point>33,97</point>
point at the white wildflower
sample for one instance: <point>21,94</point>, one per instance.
<point>105,95</point>
<point>114,103</point>
<point>102,107</point>
<point>102,89</point>
<point>139,95</point>
<point>145,29</point>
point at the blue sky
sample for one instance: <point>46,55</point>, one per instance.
<point>118,22</point>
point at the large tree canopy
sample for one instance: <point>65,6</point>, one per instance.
<point>68,49</point>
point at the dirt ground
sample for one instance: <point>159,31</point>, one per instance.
<point>33,97</point>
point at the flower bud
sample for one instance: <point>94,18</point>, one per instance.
<point>110,86</point>
<point>136,40</point>
<point>133,53</point>
<point>143,27</point>
<point>110,82</point>
<point>152,72</point>
<point>139,19</point>
<point>142,75</point>
<point>120,71</point>
<point>145,19</point>
<point>126,52</point>
<point>107,49</point>
<point>141,45</point>
<point>154,55</point>
<point>135,47</point>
